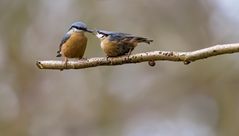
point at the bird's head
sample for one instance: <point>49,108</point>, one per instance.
<point>80,26</point>
<point>101,34</point>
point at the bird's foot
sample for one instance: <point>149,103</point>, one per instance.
<point>65,64</point>
<point>129,53</point>
<point>107,58</point>
<point>85,58</point>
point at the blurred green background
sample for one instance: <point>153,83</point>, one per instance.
<point>200,99</point>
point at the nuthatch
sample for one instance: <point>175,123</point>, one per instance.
<point>117,44</point>
<point>74,42</point>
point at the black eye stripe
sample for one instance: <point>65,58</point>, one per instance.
<point>80,28</point>
<point>103,34</point>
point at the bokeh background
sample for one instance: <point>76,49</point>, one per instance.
<point>200,99</point>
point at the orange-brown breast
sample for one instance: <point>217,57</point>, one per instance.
<point>109,47</point>
<point>75,46</point>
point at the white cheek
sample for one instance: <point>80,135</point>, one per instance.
<point>99,35</point>
<point>70,31</point>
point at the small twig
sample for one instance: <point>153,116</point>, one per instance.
<point>185,57</point>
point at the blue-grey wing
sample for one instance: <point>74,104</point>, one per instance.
<point>64,39</point>
<point>123,37</point>
<point>132,38</point>
<point>118,36</point>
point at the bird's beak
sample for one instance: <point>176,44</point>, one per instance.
<point>90,31</point>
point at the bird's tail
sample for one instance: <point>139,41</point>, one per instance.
<point>142,39</point>
<point>58,54</point>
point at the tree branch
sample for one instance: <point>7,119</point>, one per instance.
<point>185,57</point>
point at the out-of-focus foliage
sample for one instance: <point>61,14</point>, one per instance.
<point>128,100</point>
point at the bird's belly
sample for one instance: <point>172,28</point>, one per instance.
<point>74,48</point>
<point>114,50</point>
<point>111,50</point>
